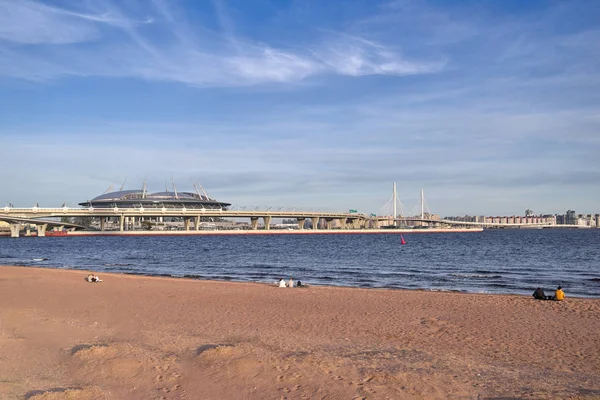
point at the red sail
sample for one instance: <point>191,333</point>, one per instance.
<point>402,240</point>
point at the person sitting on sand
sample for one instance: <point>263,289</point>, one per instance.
<point>301,285</point>
<point>291,282</point>
<point>539,294</point>
<point>282,283</point>
<point>559,295</point>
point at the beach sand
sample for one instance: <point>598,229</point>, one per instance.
<point>134,337</point>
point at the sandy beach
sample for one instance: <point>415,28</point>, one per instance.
<point>135,337</point>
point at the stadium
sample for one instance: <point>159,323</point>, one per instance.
<point>141,198</point>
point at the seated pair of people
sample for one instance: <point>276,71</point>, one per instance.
<point>539,294</point>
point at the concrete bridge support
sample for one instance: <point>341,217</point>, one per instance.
<point>27,230</point>
<point>315,222</point>
<point>41,230</point>
<point>254,223</point>
<point>196,223</point>
<point>267,222</point>
<point>186,223</point>
<point>14,230</point>
<point>301,222</point>
<point>329,223</point>
<point>102,221</point>
<point>122,223</point>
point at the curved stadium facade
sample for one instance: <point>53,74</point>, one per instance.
<point>140,198</point>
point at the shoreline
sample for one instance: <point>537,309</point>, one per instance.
<point>254,232</point>
<point>148,337</point>
<point>274,282</point>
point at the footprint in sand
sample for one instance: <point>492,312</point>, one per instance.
<point>212,348</point>
<point>86,349</point>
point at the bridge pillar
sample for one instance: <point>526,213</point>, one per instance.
<point>329,223</point>
<point>121,222</point>
<point>197,223</point>
<point>186,223</point>
<point>342,223</point>
<point>315,222</point>
<point>27,230</point>
<point>102,223</point>
<point>41,230</point>
<point>254,223</point>
<point>14,230</point>
<point>301,222</point>
<point>267,222</point>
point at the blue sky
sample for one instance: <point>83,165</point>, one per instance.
<point>491,106</point>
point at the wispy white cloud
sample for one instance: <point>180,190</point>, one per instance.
<point>349,55</point>
<point>166,47</point>
<point>27,22</point>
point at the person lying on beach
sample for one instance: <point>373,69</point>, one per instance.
<point>282,283</point>
<point>93,278</point>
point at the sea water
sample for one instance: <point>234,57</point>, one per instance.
<point>493,261</point>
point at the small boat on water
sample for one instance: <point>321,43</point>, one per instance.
<point>402,241</point>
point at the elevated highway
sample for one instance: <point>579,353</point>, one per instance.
<point>190,216</point>
<point>20,218</point>
<point>18,223</point>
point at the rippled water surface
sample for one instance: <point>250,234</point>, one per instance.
<point>493,261</point>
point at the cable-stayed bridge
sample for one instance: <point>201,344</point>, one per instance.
<point>396,217</point>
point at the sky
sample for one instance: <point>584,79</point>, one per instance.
<point>490,106</point>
